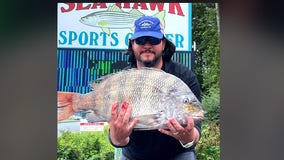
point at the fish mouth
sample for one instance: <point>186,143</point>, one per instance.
<point>198,116</point>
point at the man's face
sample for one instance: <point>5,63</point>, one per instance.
<point>148,50</point>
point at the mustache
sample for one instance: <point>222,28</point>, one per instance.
<point>148,50</point>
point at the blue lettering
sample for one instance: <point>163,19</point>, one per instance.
<point>94,38</point>
<point>62,34</point>
<point>114,37</point>
<point>104,38</point>
<point>169,37</point>
<point>179,40</point>
<point>83,38</point>
<point>126,41</point>
<point>72,36</point>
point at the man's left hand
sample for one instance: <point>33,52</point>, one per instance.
<point>183,134</point>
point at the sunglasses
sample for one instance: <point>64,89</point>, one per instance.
<point>143,40</point>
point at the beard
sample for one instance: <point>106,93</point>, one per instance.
<point>148,63</point>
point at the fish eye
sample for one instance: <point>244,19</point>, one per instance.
<point>186,100</point>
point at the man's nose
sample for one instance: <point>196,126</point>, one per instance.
<point>147,44</point>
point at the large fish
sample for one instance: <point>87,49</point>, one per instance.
<point>154,95</point>
<point>115,17</point>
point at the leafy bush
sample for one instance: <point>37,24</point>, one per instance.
<point>84,146</point>
<point>208,147</point>
<point>211,105</point>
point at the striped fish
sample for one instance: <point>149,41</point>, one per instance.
<point>154,95</point>
<point>115,17</point>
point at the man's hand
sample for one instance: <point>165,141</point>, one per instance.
<point>120,125</point>
<point>183,134</point>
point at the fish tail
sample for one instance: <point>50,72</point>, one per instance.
<point>70,102</point>
<point>161,16</point>
<point>64,105</point>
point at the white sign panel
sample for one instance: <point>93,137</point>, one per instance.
<point>110,25</point>
<point>91,126</point>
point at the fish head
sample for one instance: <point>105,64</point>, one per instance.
<point>181,105</point>
<point>90,19</point>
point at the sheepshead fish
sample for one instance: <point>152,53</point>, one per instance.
<point>115,17</point>
<point>154,95</point>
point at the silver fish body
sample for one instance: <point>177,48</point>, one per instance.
<point>154,95</point>
<point>110,19</point>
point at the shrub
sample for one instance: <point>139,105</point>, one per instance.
<point>211,105</point>
<point>208,147</point>
<point>84,146</point>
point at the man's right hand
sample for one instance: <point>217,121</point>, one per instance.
<point>120,125</point>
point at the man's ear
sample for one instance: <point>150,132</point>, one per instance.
<point>164,43</point>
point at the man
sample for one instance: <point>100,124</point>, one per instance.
<point>149,48</point>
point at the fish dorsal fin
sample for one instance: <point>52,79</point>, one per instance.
<point>114,8</point>
<point>136,12</point>
<point>106,30</point>
<point>95,82</point>
<point>98,80</point>
<point>161,16</point>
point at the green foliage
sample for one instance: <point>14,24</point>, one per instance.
<point>211,105</point>
<point>208,147</point>
<point>207,68</point>
<point>84,146</point>
<point>205,34</point>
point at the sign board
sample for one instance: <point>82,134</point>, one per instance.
<point>91,126</point>
<point>110,25</point>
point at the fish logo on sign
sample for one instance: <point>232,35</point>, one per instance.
<point>115,18</point>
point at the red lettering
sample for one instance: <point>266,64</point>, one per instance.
<point>102,5</point>
<point>71,6</point>
<point>160,6</point>
<point>125,5</point>
<point>142,5</point>
<point>80,6</point>
<point>172,7</point>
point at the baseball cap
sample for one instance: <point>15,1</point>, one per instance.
<point>148,26</point>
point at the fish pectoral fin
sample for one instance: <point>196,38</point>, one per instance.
<point>106,30</point>
<point>150,121</point>
<point>136,12</point>
<point>103,23</point>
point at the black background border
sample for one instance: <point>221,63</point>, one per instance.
<point>252,79</point>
